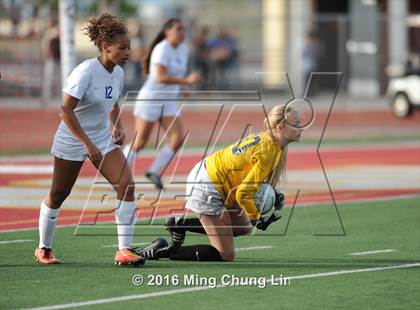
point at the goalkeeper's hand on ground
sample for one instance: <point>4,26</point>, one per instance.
<point>262,223</point>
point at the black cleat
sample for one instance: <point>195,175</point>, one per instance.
<point>177,233</point>
<point>155,179</point>
<point>157,249</point>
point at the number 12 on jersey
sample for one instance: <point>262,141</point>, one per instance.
<point>108,91</point>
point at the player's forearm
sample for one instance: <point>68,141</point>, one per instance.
<point>250,210</point>
<point>70,120</point>
<point>245,199</point>
<point>168,79</point>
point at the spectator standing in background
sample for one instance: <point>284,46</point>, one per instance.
<point>412,65</point>
<point>201,56</point>
<point>138,51</point>
<point>50,47</point>
<point>310,58</point>
<point>224,58</point>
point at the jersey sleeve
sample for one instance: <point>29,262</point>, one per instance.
<point>263,166</point>
<point>160,56</point>
<point>78,83</point>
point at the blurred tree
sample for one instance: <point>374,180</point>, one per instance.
<point>128,9</point>
<point>51,4</point>
<point>116,7</point>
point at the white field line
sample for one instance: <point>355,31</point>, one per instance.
<point>116,245</point>
<point>202,288</point>
<point>76,225</point>
<point>263,247</point>
<point>16,241</point>
<point>373,252</point>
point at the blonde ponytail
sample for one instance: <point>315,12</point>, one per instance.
<point>276,116</point>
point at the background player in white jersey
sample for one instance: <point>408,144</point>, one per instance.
<point>166,66</point>
<point>90,128</point>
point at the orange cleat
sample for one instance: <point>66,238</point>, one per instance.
<point>127,257</point>
<point>45,256</point>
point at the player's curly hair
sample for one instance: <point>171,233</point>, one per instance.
<point>104,29</point>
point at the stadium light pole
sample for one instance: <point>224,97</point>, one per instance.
<point>299,24</point>
<point>67,13</point>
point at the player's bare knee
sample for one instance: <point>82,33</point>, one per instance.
<point>176,139</point>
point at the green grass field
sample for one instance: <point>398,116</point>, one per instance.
<point>88,273</point>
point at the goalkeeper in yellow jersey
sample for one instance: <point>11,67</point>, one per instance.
<point>221,188</point>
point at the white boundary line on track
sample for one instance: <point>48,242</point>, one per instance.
<point>116,245</point>
<point>202,288</point>
<point>373,252</point>
<point>33,228</point>
<point>339,203</point>
<point>199,150</point>
<point>16,241</point>
<point>251,248</point>
<point>26,169</point>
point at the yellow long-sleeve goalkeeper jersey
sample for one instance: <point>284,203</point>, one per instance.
<point>238,170</point>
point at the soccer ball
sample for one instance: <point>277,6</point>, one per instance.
<point>265,198</point>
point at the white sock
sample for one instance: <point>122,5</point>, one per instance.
<point>130,154</point>
<point>125,217</point>
<point>47,221</point>
<point>162,160</point>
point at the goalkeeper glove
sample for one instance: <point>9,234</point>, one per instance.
<point>262,223</point>
<point>279,201</point>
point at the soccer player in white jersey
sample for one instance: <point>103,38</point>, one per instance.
<point>90,129</point>
<point>166,67</point>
